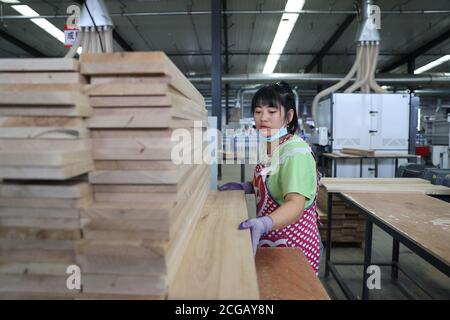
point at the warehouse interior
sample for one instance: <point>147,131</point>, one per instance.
<point>371,81</point>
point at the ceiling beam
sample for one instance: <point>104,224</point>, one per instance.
<point>417,52</point>
<point>121,41</point>
<point>22,45</point>
<point>330,43</point>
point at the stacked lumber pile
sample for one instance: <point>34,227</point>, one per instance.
<point>145,206</point>
<point>348,227</point>
<point>45,154</point>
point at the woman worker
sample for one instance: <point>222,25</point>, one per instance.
<point>286,182</point>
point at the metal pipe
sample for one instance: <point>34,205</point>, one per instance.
<point>185,13</point>
<point>314,78</point>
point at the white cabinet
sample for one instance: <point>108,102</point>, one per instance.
<point>375,121</point>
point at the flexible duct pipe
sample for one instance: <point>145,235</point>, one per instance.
<point>338,85</point>
<point>365,77</point>
<point>373,84</point>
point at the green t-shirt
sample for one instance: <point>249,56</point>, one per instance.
<point>296,172</point>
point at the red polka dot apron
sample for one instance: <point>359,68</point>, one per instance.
<point>303,233</point>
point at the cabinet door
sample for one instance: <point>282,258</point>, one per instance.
<point>351,121</point>
<point>389,118</point>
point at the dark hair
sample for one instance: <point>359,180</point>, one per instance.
<point>277,95</point>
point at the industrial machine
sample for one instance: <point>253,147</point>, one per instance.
<point>381,122</point>
<point>364,116</point>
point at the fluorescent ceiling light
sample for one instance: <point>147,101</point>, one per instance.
<point>41,22</point>
<point>432,64</point>
<point>285,27</point>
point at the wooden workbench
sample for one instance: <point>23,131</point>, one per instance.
<point>419,222</point>
<point>285,274</point>
<point>422,219</point>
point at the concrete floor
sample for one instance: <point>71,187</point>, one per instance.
<point>433,281</point>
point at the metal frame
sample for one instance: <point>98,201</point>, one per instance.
<point>216,65</point>
<point>398,238</point>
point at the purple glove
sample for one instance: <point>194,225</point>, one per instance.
<point>246,186</point>
<point>258,227</point>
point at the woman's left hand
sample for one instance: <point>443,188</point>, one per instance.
<point>258,226</point>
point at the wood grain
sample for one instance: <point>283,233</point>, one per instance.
<point>421,218</point>
<point>285,274</point>
<point>218,263</point>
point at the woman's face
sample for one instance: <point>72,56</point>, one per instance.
<point>270,119</point>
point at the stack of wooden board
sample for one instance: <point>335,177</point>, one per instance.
<point>43,134</point>
<point>145,205</point>
<point>45,153</point>
<point>348,227</point>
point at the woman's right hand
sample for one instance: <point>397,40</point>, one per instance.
<point>246,186</point>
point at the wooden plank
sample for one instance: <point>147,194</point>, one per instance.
<point>46,213</point>
<point>39,158</point>
<point>422,219</point>
<point>44,133</point>
<point>65,190</point>
<point>120,257</point>
<point>119,89</point>
<point>136,165</point>
<point>42,88</point>
<point>380,185</point>
<point>12,267</point>
<point>133,133</point>
<point>79,111</point>
<point>325,181</point>
<point>358,152</point>
<point>136,79</point>
<point>124,285</point>
<point>41,77</point>
<point>133,177</point>
<point>177,188</point>
<point>41,122</point>
<point>129,101</point>
<point>45,203</point>
<point>46,173</point>
<point>39,233</point>
<point>41,223</point>
<point>38,64</point>
<point>285,274</point>
<point>140,149</point>
<point>46,98</point>
<point>212,267</point>
<point>22,145</point>
<point>136,188</point>
<point>38,286</point>
<point>139,63</point>
<point>130,118</point>
<point>183,107</point>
